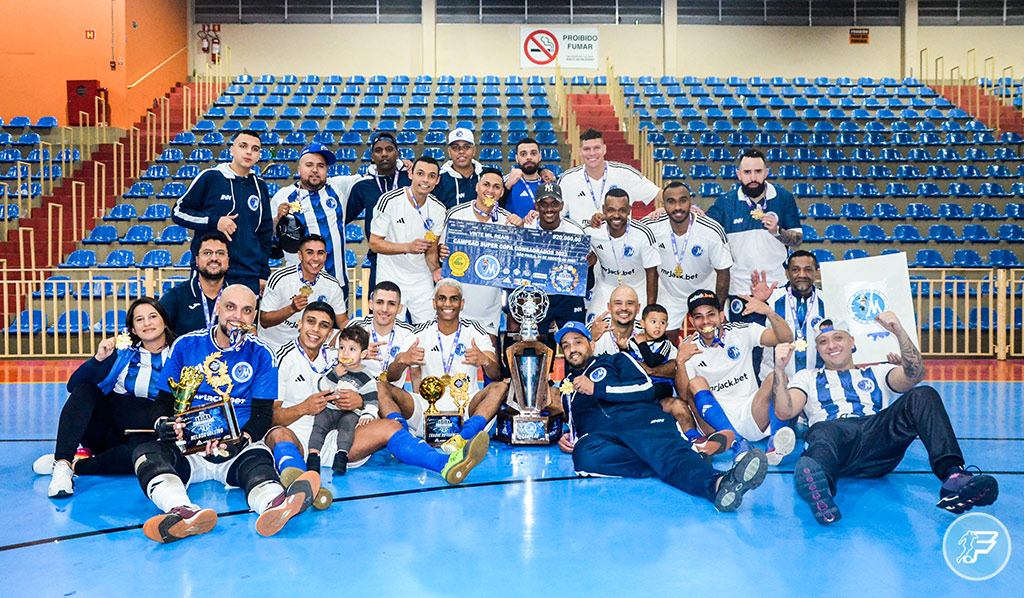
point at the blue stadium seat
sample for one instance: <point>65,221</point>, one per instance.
<point>155,212</point>
<point>920,211</point>
<point>873,233</point>
<point>172,235</point>
<point>836,190</point>
<point>907,233</point>
<point>810,234</point>
<point>854,254</point>
<point>928,258</point>
<point>156,258</point>
<point>80,258</point>
<point>1003,258</point>
<point>73,321</point>
<point>945,319</point>
<point>821,211</point>
<point>854,211</point>
<point>54,287</point>
<point>672,172</point>
<point>121,212</point>
<point>943,233</point>
<point>838,233</point>
<point>985,211</point>
<point>967,258</point>
<point>701,171</point>
<point>101,235</point>
<point>120,258</point>
<point>28,322</point>
<point>1010,233</point>
<point>805,190</point>
<point>157,172</point>
<point>184,138</point>
<point>138,234</point>
<point>823,255</point>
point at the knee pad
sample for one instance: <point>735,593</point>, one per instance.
<point>252,468</point>
<point>152,459</point>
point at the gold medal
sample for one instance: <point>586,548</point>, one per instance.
<point>430,236</point>
<point>294,207</point>
<point>383,377</point>
<point>247,328</point>
<point>679,270</point>
<point>446,380</point>
<point>123,341</point>
<point>306,290</point>
<point>566,387</point>
<point>620,279</point>
<point>800,344</point>
<point>757,213</point>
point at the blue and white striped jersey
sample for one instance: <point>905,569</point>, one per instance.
<point>323,213</point>
<point>791,308</point>
<point>833,394</point>
<point>141,376</point>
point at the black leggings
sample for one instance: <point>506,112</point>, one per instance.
<point>97,421</point>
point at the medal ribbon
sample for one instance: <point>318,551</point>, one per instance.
<point>385,188</point>
<point>447,361</point>
<point>210,317</point>
<point>625,241</point>
<point>384,363</point>
<point>604,181</point>
<point>412,200</point>
<point>793,305</point>
<point>323,353</point>
<point>686,242</point>
<point>493,216</point>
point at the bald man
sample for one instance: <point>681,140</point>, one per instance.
<point>236,366</point>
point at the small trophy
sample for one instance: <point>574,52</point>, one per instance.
<point>529,362</point>
<point>438,426</point>
<point>216,419</point>
<point>185,390</point>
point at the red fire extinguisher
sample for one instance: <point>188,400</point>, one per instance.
<point>215,49</point>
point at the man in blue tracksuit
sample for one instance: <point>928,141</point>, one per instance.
<point>617,428</point>
<point>232,199</point>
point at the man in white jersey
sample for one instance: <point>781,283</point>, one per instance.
<point>585,186</point>
<point>720,374</point>
<point>613,329</point>
<point>483,303</point>
<point>291,288</point>
<point>406,226</point>
<point>693,250</point>
<point>387,333</point>
<point>321,202</point>
<point>863,420</point>
<point>625,252</point>
<point>453,347</point>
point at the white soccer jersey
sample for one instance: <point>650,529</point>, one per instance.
<point>699,251</point>
<point>398,220</point>
<point>583,196</point>
<point>439,349</point>
<point>392,341</point>
<point>729,369</point>
<point>323,213</point>
<point>483,303</point>
<point>833,394</point>
<point>285,284</point>
<point>629,256</point>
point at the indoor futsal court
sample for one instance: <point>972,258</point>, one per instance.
<point>809,146</point>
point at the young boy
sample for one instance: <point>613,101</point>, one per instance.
<point>347,376</point>
<point>653,348</point>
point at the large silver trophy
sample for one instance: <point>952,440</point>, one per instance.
<point>529,362</point>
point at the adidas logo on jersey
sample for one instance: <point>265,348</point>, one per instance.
<point>401,221</point>
<point>702,365</point>
<point>581,194</point>
<point>301,378</point>
<point>435,348</point>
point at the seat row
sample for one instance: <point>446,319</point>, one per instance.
<point>908,233</point>
<point>251,101</point>
<point>932,258</point>
<point>837,156</point>
<point>396,90</point>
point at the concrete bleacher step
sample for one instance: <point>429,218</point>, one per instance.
<point>984,107</point>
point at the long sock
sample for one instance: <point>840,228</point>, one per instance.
<point>712,412</point>
<point>414,451</point>
<point>691,434</point>
<point>774,423</point>
<point>398,418</point>
<point>472,427</point>
<point>167,491</point>
<point>286,454</point>
<point>261,496</point>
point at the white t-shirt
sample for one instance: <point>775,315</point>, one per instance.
<point>583,197</point>
<point>483,303</point>
<point>387,352</point>
<point>700,251</point>
<point>606,344</point>
<point>834,394</point>
<point>285,284</point>
<point>325,216</point>
<point>397,220</point>
<point>729,370</point>
<point>631,254</point>
<point>296,381</point>
<point>436,352</point>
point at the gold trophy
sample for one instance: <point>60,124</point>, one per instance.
<point>431,389</point>
<point>438,426</point>
<point>459,389</point>
<point>185,390</point>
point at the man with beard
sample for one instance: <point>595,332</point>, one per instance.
<point>387,333</point>
<point>762,224</point>
<point>386,174</point>
<point>692,249</point>
<point>320,201</point>
<point>461,173</point>
<point>521,183</point>
<point>230,198</point>
<point>191,305</point>
<point>616,428</point>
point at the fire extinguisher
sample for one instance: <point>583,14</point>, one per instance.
<point>204,41</point>
<point>215,49</point>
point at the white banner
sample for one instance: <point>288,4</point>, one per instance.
<point>569,47</point>
<point>855,291</point>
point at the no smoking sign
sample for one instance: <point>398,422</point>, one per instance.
<point>541,47</point>
<point>568,47</point>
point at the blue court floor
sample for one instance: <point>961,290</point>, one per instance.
<point>521,525</point>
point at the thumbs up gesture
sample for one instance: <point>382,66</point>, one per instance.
<point>412,356</point>
<point>474,356</point>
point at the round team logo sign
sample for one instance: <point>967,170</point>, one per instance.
<point>697,251</point>
<point>564,278</point>
<point>976,546</point>
<point>866,385</point>
<point>321,297</point>
<point>733,352</point>
<point>864,305</point>
<point>241,372</point>
<point>460,349</point>
<point>487,267</point>
<point>598,374</point>
<point>394,351</point>
<point>254,202</point>
<point>815,321</point>
<point>459,263</point>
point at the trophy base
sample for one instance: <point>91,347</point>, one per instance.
<point>518,429</point>
<point>439,427</point>
<point>215,421</point>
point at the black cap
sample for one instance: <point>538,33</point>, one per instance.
<point>702,297</point>
<point>549,190</point>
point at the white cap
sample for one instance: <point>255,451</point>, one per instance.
<point>461,134</point>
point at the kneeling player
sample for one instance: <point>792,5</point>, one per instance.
<point>857,429</point>
<point>235,365</point>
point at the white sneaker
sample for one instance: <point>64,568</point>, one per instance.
<point>43,465</point>
<point>61,483</point>
<point>780,445</point>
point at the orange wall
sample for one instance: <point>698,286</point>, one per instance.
<point>43,44</point>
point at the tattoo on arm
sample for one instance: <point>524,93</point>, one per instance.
<point>790,238</point>
<point>913,361</point>
<point>781,391</point>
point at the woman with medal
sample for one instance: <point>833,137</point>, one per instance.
<point>111,392</point>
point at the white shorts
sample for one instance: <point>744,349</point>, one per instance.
<point>675,307</point>
<point>330,449</point>
<point>203,470</point>
<point>420,305</point>
<point>742,419</point>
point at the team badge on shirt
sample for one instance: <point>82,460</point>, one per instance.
<point>697,251</point>
<point>736,306</point>
<point>254,202</point>
<point>241,372</point>
<point>598,374</point>
<point>866,385</point>
<point>331,203</point>
<point>627,251</point>
<point>460,349</point>
<point>733,352</point>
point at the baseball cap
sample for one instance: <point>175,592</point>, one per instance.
<point>828,325</point>
<point>319,148</point>
<point>461,134</point>
<point>572,327</point>
<point>382,136</point>
<point>702,297</point>
<point>552,190</point>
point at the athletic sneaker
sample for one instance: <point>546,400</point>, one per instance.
<point>812,486</point>
<point>964,490</point>
<point>715,443</point>
<point>180,522</point>
<point>747,474</point>
<point>739,449</point>
<point>43,465</point>
<point>61,483</point>
<point>323,499</point>
<point>453,444</point>
<point>466,458</point>
<point>288,504</point>
<point>780,445</point>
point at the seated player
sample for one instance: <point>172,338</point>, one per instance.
<point>863,420</point>
<point>302,364</point>
<point>387,332</point>
<point>653,349</point>
<point>351,375</point>
<point>618,429</point>
<point>715,365</point>
<point>111,392</point>
<point>452,349</point>
<point>236,365</point>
